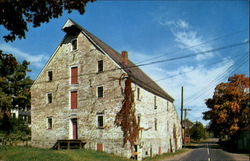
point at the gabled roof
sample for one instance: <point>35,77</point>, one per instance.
<point>134,72</point>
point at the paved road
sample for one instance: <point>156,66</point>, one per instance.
<point>209,151</point>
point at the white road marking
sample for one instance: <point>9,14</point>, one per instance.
<point>208,152</point>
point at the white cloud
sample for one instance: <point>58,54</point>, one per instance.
<point>187,38</point>
<point>182,24</point>
<point>35,59</point>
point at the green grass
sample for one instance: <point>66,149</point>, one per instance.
<point>18,153</point>
<point>165,155</point>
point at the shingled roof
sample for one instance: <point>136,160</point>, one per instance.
<point>135,73</point>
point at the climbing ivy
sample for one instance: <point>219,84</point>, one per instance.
<point>126,118</point>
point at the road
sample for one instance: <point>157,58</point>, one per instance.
<point>208,151</point>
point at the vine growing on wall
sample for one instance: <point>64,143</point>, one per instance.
<point>175,136</point>
<point>126,118</point>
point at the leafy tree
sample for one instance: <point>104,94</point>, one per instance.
<point>15,14</point>
<point>229,107</point>
<point>197,131</point>
<point>14,86</point>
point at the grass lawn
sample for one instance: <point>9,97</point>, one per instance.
<point>165,155</point>
<point>18,153</point>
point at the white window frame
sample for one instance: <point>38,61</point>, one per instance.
<point>97,122</point>
<point>98,66</point>
<point>98,93</point>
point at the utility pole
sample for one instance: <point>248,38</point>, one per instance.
<point>182,126</point>
<point>182,107</point>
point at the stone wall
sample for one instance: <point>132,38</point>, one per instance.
<point>85,58</point>
<point>157,118</point>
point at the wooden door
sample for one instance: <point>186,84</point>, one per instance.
<point>74,123</point>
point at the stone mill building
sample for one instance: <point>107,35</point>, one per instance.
<point>80,90</point>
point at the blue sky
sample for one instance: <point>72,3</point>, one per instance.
<point>158,30</point>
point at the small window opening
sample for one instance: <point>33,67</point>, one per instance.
<point>49,123</point>
<point>138,93</point>
<point>74,44</point>
<point>49,97</point>
<point>100,92</point>
<point>50,75</point>
<point>155,124</point>
<point>139,120</point>
<point>155,103</point>
<point>100,121</point>
<point>100,66</point>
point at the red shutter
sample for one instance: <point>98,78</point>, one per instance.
<point>73,99</point>
<point>100,147</point>
<point>74,75</point>
<point>159,150</point>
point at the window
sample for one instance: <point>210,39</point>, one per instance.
<point>74,44</point>
<point>139,120</point>
<point>49,123</point>
<point>50,75</point>
<point>100,66</point>
<point>74,75</point>
<point>155,124</point>
<point>49,97</point>
<point>155,102</point>
<point>100,121</point>
<point>73,99</point>
<point>138,93</point>
<point>100,92</point>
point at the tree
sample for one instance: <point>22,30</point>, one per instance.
<point>229,107</point>
<point>197,131</point>
<point>14,84</point>
<point>15,14</point>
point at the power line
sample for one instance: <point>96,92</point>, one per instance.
<point>181,73</point>
<point>192,55</point>
<point>207,88</point>
<point>164,60</point>
<point>197,45</point>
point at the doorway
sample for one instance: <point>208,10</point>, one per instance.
<point>73,129</point>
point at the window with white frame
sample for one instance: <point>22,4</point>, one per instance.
<point>100,66</point>
<point>100,91</point>
<point>100,120</point>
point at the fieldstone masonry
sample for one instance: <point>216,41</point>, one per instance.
<point>157,115</point>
